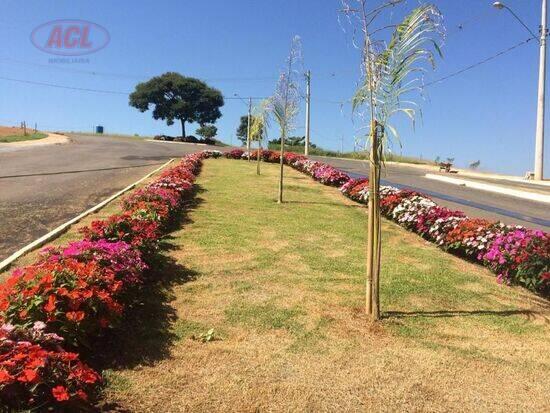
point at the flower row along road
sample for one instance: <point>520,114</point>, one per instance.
<point>42,187</point>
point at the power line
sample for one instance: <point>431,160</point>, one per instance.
<point>81,89</point>
<point>481,62</point>
<point>132,76</point>
<point>341,102</point>
<point>453,74</point>
<point>112,92</point>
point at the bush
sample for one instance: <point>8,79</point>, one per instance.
<point>74,294</point>
<point>35,371</point>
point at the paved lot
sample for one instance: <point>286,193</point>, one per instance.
<point>473,202</point>
<point>42,187</point>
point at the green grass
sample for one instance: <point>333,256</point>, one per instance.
<point>186,329</point>
<point>21,138</point>
<point>283,288</point>
<point>326,239</point>
<point>264,316</point>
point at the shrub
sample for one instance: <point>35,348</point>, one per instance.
<point>76,299</point>
<point>35,370</point>
<point>521,256</point>
<point>234,154</point>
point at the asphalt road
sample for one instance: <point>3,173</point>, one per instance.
<point>473,202</point>
<point>42,187</point>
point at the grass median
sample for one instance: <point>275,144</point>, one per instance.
<point>273,319</point>
<point>20,138</point>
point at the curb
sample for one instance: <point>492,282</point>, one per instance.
<point>64,227</point>
<point>180,143</point>
<point>492,188</point>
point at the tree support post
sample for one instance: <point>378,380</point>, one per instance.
<point>373,226</point>
<point>248,128</point>
<point>281,160</point>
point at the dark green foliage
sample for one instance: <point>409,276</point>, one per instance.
<point>178,97</point>
<point>242,130</point>
<point>207,131</point>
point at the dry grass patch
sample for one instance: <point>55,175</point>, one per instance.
<point>279,291</point>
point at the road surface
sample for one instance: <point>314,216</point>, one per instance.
<point>42,187</point>
<point>474,202</point>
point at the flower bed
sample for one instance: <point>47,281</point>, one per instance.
<point>515,254</point>
<point>73,294</point>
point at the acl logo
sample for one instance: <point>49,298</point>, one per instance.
<point>70,37</point>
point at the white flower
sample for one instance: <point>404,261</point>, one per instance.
<point>39,325</point>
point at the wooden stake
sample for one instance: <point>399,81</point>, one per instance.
<point>258,157</point>
<point>370,226</point>
<point>280,197</point>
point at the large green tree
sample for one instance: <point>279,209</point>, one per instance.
<point>207,131</point>
<point>174,96</point>
<point>242,130</point>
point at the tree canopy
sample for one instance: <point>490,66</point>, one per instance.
<point>242,131</point>
<point>207,131</point>
<point>174,96</point>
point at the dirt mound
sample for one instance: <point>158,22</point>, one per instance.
<point>12,130</point>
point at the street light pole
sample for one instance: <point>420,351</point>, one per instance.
<point>539,135</point>
<point>539,140</point>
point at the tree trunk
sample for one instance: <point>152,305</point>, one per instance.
<point>280,197</point>
<point>374,228</point>
<point>182,128</point>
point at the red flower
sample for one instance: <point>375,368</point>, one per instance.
<point>28,375</point>
<point>82,394</point>
<point>60,393</point>
<point>5,376</point>
<point>50,306</point>
<point>75,316</point>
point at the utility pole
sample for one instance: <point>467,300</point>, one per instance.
<point>539,140</point>
<point>248,128</point>
<point>539,136</point>
<point>308,104</point>
<point>342,145</point>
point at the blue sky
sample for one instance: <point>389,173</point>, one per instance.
<point>239,46</point>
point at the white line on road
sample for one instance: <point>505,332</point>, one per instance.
<point>181,143</point>
<point>532,196</point>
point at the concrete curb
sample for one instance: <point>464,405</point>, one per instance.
<point>532,196</point>
<point>181,143</point>
<point>64,227</point>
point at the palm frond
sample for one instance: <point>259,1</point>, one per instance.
<point>284,104</point>
<point>260,121</point>
<point>396,71</point>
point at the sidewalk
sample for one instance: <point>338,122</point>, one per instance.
<point>539,192</point>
